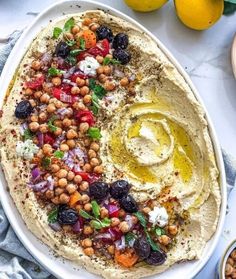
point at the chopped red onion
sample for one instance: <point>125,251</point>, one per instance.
<point>36,174</point>
<point>40,138</point>
<point>63,111</point>
<point>132,77</point>
<point>55,226</point>
<point>70,72</point>
<point>80,153</point>
<point>46,58</point>
<point>77,168</point>
<point>69,82</point>
<point>42,107</point>
<point>113,210</point>
<point>77,227</point>
<point>129,220</point>
<point>120,244</point>
<point>60,61</point>
<point>118,73</point>
<point>39,187</point>
<point>65,98</point>
<point>23,127</point>
<point>115,233</point>
<point>50,181</point>
<point>103,236</point>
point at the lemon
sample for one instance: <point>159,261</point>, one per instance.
<point>145,5</point>
<point>199,14</point>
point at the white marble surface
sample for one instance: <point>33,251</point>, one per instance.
<point>204,55</point>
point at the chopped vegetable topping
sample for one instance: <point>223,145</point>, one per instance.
<point>94,133</point>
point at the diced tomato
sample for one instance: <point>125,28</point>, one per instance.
<point>66,88</point>
<point>56,92</point>
<point>82,55</point>
<point>48,138</point>
<point>36,83</point>
<point>83,174</point>
<point>85,116</point>
<point>101,48</point>
<point>78,74</point>
<point>113,210</point>
<point>93,177</point>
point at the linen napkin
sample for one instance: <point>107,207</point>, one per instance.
<point>15,261</point>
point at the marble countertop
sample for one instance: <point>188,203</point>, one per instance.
<point>204,55</point>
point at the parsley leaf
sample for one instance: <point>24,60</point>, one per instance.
<point>59,154</point>
<point>129,238</point>
<point>95,209</point>
<point>85,215</point>
<point>56,32</point>
<point>99,224</point>
<point>54,72</point>
<point>141,218</point>
<point>52,127</point>
<point>69,24</point>
<point>107,61</point>
<point>92,83</point>
<point>82,43</point>
<point>70,42</point>
<point>75,52</point>
<point>71,60</point>
<point>154,245</point>
<point>27,134</point>
<point>46,161</point>
<point>94,132</point>
<point>52,216</point>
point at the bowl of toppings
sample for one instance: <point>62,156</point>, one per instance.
<point>106,150</point>
<point>227,264</point>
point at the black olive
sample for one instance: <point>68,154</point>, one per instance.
<point>104,32</point>
<point>129,204</point>
<point>67,216</point>
<point>99,190</point>
<point>23,109</point>
<point>122,55</point>
<point>121,40</point>
<point>142,247</point>
<point>62,50</point>
<point>119,189</point>
<point>156,258</point>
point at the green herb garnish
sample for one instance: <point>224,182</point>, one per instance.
<point>154,246</point>
<point>52,216</point>
<point>107,61</point>
<point>95,209</point>
<point>54,72</point>
<point>70,42</point>
<point>75,52</point>
<point>94,133</point>
<point>71,60</point>
<point>82,43</point>
<point>46,161</point>
<point>141,218</point>
<point>67,28</point>
<point>59,154</point>
<point>98,93</point>
<point>27,134</point>
<point>85,215</point>
<point>57,32</point>
<point>52,127</point>
<point>130,237</point>
<point>99,224</point>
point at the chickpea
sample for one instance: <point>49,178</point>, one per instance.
<point>59,191</point>
<point>102,78</point>
<point>98,169</point>
<point>173,229</point>
<point>70,175</point>
<point>58,131</point>
<point>32,102</point>
<point>115,221</point>
<point>62,182</point>
<point>37,94</point>
<point>43,128</point>
<point>78,106</point>
<point>34,126</point>
<point>75,90</point>
<point>87,242</point>
<point>68,36</point>
<point>122,213</point>
<point>64,147</point>
<point>43,116</point>
<point>49,194</point>
<point>109,85</point>
<point>83,127</point>
<point>55,168</point>
<point>87,21</point>
<point>87,99</point>
<point>111,249</point>
<point>89,251</point>
<point>78,207</point>
<point>71,134</point>
<point>28,92</point>
<point>84,90</point>
<point>87,167</point>
<point>124,227</point>
<point>55,200</point>
<point>75,29</point>
<point>71,188</point>
<point>84,186</point>
<point>230,261</point>
<point>109,56</point>
<point>146,210</point>
<point>47,87</point>
<point>64,198</point>
<point>94,27</point>
<point>77,179</point>
<point>87,142</point>
<point>47,149</point>
<point>92,153</point>
<point>88,207</point>
<point>104,212</point>
<point>56,81</point>
<point>51,108</point>
<point>44,98</point>
<point>62,173</point>
<point>99,59</point>
<point>36,65</point>
<point>94,146</point>
<point>164,239</point>
<point>107,70</point>
<point>228,269</point>
<point>87,230</point>
<point>124,81</point>
<point>233,255</point>
<point>80,82</point>
<point>85,198</point>
<point>66,122</point>
<point>71,143</point>
<point>58,104</point>
<point>94,162</point>
<point>100,70</point>
<point>233,274</point>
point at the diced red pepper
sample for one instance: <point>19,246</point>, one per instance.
<point>66,88</point>
<point>78,74</point>
<point>48,138</point>
<point>101,48</point>
<point>56,92</point>
<point>85,116</point>
<point>83,174</point>
<point>65,98</point>
<point>36,83</point>
<point>93,177</point>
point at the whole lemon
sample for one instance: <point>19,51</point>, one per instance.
<point>145,5</point>
<point>199,14</point>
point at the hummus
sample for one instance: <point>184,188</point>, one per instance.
<point>156,139</point>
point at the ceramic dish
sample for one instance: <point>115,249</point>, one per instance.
<point>62,268</point>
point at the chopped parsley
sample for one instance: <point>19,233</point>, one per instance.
<point>54,72</point>
<point>107,61</point>
<point>95,222</point>
<point>71,60</point>
<point>94,132</point>
<point>28,134</point>
<point>59,154</point>
<point>70,42</point>
<point>52,216</point>
<point>98,93</point>
<point>57,31</point>
<point>52,127</point>
<point>82,43</point>
<point>46,161</point>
